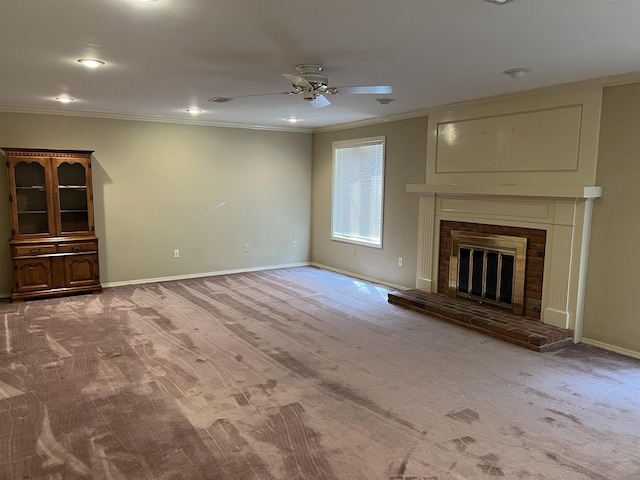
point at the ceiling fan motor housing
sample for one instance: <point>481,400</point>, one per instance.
<point>312,74</point>
<point>316,80</point>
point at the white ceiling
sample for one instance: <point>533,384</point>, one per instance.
<point>165,56</point>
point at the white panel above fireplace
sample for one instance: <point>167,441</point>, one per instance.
<point>542,140</point>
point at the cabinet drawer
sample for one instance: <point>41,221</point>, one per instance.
<point>77,247</point>
<point>30,250</point>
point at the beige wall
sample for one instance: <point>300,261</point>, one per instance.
<point>611,314</point>
<point>404,164</point>
<point>158,187</point>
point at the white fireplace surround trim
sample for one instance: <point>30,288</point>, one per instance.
<point>563,212</point>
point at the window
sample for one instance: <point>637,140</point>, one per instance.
<point>358,186</point>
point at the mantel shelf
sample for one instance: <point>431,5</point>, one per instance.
<point>548,191</point>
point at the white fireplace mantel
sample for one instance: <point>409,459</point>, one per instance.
<point>564,212</point>
<point>550,191</point>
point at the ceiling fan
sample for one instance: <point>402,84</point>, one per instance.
<point>313,85</point>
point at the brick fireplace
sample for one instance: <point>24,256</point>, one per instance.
<point>555,220</point>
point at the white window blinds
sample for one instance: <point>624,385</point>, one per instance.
<point>358,185</point>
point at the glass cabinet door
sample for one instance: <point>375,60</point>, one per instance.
<point>73,197</point>
<point>32,207</point>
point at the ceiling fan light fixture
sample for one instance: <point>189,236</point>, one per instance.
<point>384,101</point>
<point>292,120</point>
<point>499,2</point>
<point>193,111</point>
<point>65,99</point>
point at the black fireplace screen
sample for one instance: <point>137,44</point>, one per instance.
<point>488,268</point>
<point>485,274</point>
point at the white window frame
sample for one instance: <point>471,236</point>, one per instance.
<point>356,239</point>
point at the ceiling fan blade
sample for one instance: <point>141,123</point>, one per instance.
<point>372,89</point>
<point>297,81</point>
<point>228,99</point>
<point>320,101</point>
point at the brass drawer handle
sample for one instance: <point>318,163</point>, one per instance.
<point>35,250</point>
<point>76,247</point>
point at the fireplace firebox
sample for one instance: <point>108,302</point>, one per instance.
<point>488,268</point>
<point>533,259</point>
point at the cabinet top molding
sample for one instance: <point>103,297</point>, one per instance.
<point>30,152</point>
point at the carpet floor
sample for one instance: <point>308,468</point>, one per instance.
<point>297,374</point>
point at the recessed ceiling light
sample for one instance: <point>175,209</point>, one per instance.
<point>516,73</point>
<point>65,99</point>
<point>292,120</point>
<point>499,2</point>
<point>91,62</point>
<point>193,111</point>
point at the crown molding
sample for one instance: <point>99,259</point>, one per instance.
<point>622,79</point>
<point>145,118</point>
<point>374,121</point>
<point>597,82</point>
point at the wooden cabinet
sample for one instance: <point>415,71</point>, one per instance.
<point>53,245</point>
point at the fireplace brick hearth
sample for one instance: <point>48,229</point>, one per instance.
<point>525,330</point>
<point>492,321</point>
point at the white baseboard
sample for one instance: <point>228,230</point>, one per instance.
<point>143,281</point>
<point>201,275</point>
<point>361,277</point>
<point>611,348</point>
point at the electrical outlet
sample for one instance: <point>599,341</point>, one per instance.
<point>246,247</point>
<point>295,244</point>
<point>399,261</point>
<point>176,253</point>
